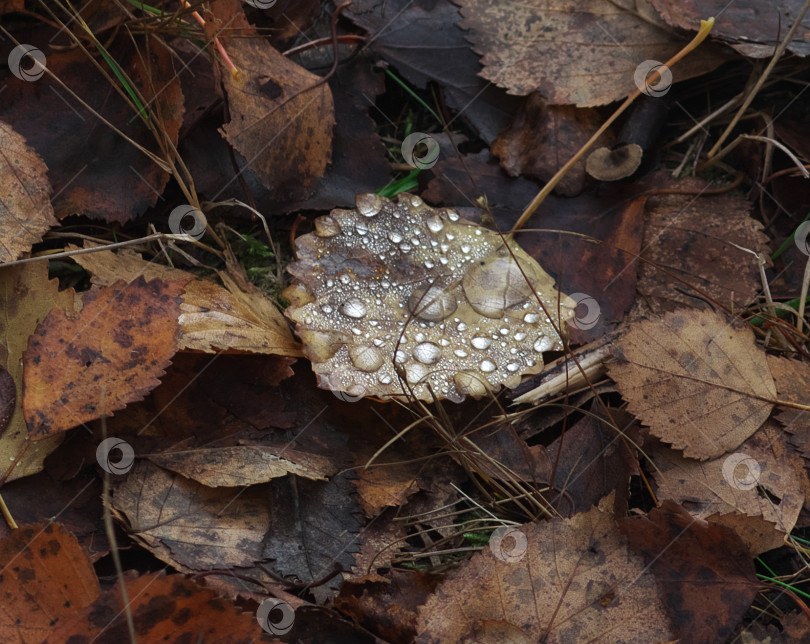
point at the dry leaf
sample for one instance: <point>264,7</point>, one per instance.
<point>243,464</point>
<point>403,285</point>
<point>792,379</point>
<point>188,525</point>
<point>576,581</point>
<point>705,576</point>
<point>26,297</point>
<point>698,239</point>
<point>164,608</point>
<point>213,318</point>
<point>46,576</point>
<point>758,479</point>
<point>112,353</point>
<point>286,141</point>
<point>585,54</point>
<point>698,380</point>
<point>25,209</point>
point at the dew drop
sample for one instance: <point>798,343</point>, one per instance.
<point>378,342</point>
<point>353,308</point>
<point>481,343</point>
<point>433,304</point>
<point>405,248</point>
<point>326,308</point>
<point>543,343</point>
<point>461,353</point>
<point>415,372</point>
<point>369,204</point>
<point>434,223</point>
<point>531,318</point>
<point>512,367</point>
<point>384,379</point>
<point>461,327</point>
<point>400,356</point>
<point>487,366</point>
<point>366,359</point>
<point>361,227</point>
<point>465,248</point>
<point>520,336</point>
<point>452,215</point>
<point>416,202</point>
<point>326,226</point>
<point>428,264</point>
<point>503,331</point>
<point>395,236</point>
<point>427,353</point>
<point>419,337</point>
<point>345,279</point>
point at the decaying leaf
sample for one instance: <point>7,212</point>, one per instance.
<point>697,379</point>
<point>705,576</point>
<point>405,286</point>
<point>188,525</point>
<point>243,464</point>
<point>25,208</point>
<point>586,56</point>
<point>46,576</point>
<point>26,297</point>
<point>113,352</point>
<point>757,479</point>
<point>572,580</point>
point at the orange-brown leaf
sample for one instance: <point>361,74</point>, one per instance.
<point>113,352</point>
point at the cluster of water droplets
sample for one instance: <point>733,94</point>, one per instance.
<point>400,288</point>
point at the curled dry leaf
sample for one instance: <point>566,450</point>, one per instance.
<point>25,208</point>
<point>113,351</point>
<point>213,318</point>
<point>698,380</point>
<point>400,287</point>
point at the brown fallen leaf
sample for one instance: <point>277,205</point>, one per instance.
<point>400,285</point>
<point>25,209</point>
<point>696,378</point>
<point>792,378</point>
<point>698,239</point>
<point>243,464</point>
<point>212,318</point>
<point>26,297</point>
<point>92,170</point>
<point>571,580</point>
<point>188,525</point>
<point>759,479</point>
<point>287,141</point>
<point>751,28</point>
<point>585,54</point>
<point>164,608</point>
<point>45,577</point>
<point>704,574</point>
<point>541,138</point>
<point>78,368</point>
